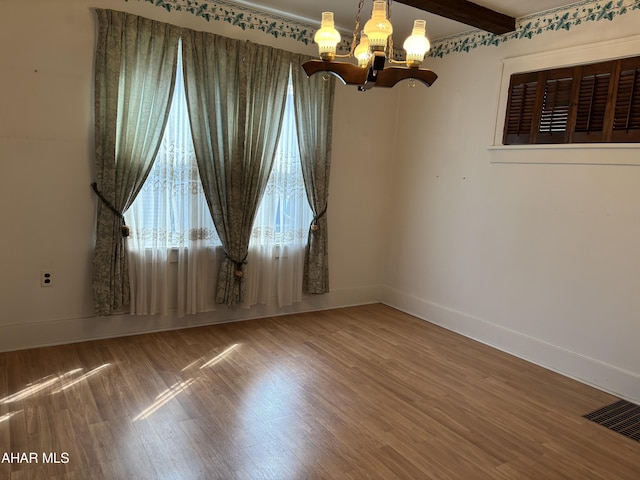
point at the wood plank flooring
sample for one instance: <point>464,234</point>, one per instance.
<point>357,393</point>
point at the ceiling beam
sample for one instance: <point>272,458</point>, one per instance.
<point>468,13</point>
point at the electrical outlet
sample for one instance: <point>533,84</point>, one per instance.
<point>46,278</point>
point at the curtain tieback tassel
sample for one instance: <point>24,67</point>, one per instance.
<point>314,223</point>
<point>124,228</point>
<point>239,265</point>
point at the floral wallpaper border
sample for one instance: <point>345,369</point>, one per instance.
<point>241,16</point>
<point>563,18</point>
<point>247,18</point>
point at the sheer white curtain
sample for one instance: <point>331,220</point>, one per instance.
<point>174,250</point>
<point>276,251</point>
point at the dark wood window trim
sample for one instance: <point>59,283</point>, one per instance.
<point>592,103</point>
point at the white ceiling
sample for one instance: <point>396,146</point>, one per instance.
<point>402,16</point>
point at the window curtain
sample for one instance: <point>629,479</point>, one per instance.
<point>236,96</point>
<point>314,116</point>
<point>134,76</point>
<point>173,246</point>
<point>279,236</point>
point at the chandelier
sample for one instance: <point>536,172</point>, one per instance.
<point>373,53</point>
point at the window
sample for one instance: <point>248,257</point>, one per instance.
<point>174,249</point>
<point>598,102</point>
<point>284,215</point>
<point>171,209</point>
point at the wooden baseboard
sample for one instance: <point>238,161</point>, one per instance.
<point>575,365</point>
<point>21,336</point>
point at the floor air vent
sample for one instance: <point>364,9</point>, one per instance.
<point>622,417</point>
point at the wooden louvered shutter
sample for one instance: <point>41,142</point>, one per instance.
<point>520,109</point>
<point>626,117</point>
<point>555,106</point>
<point>597,102</point>
<point>596,87</point>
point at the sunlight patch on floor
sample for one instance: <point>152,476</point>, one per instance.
<point>7,416</point>
<point>220,357</point>
<point>179,387</point>
<point>164,398</point>
<point>37,387</point>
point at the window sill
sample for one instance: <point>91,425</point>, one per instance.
<point>573,153</point>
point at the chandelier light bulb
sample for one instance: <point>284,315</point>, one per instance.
<point>417,44</point>
<point>362,51</point>
<point>378,28</point>
<point>327,37</point>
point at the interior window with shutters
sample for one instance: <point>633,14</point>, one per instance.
<point>598,102</point>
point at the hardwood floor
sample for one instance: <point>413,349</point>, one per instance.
<point>356,393</point>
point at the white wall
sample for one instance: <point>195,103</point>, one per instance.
<point>539,260</point>
<point>46,167</point>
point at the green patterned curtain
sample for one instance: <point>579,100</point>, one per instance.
<point>236,94</point>
<point>134,77</point>
<point>314,120</point>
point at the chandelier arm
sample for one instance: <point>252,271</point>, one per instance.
<point>392,75</point>
<point>348,73</point>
